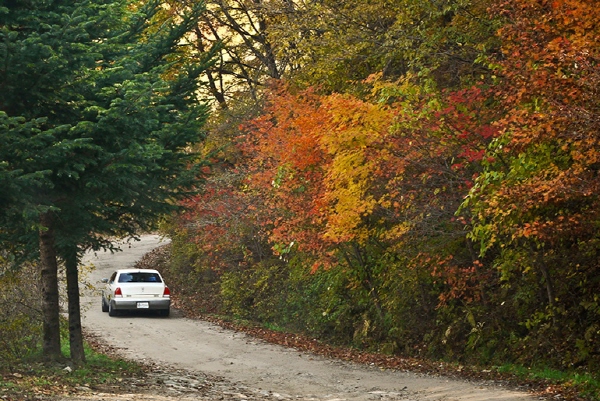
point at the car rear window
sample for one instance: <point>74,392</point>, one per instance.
<point>139,278</point>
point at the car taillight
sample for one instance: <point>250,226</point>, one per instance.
<point>118,292</point>
<point>167,292</point>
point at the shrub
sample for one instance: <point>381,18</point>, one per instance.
<point>21,320</point>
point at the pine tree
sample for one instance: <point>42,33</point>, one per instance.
<point>98,111</point>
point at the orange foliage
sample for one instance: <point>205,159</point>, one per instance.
<point>286,166</point>
<point>335,169</point>
<point>312,161</point>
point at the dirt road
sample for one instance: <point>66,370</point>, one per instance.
<point>258,367</point>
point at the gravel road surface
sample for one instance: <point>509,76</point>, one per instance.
<point>196,360</point>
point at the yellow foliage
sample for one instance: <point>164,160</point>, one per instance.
<point>354,140</point>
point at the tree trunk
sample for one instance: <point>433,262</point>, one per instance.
<point>364,277</point>
<point>49,277</point>
<point>540,262</point>
<point>75,333</point>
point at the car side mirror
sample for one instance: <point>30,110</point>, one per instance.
<point>104,280</point>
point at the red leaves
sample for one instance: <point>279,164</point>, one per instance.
<point>464,283</point>
<point>472,155</point>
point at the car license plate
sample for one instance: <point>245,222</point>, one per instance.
<point>143,305</point>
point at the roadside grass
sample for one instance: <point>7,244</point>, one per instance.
<point>100,368</point>
<point>31,377</point>
<point>586,386</point>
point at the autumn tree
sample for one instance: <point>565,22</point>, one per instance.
<point>370,186</point>
<point>536,206</point>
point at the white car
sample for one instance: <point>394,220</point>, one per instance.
<point>135,289</point>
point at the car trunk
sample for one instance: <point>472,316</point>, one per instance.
<point>143,290</point>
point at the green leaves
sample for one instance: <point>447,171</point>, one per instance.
<point>110,104</point>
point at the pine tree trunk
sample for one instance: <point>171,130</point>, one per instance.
<point>49,277</point>
<point>75,332</point>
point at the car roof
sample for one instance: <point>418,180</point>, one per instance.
<point>137,271</point>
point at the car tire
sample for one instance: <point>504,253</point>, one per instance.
<point>104,305</point>
<point>164,312</point>
<point>111,311</point>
